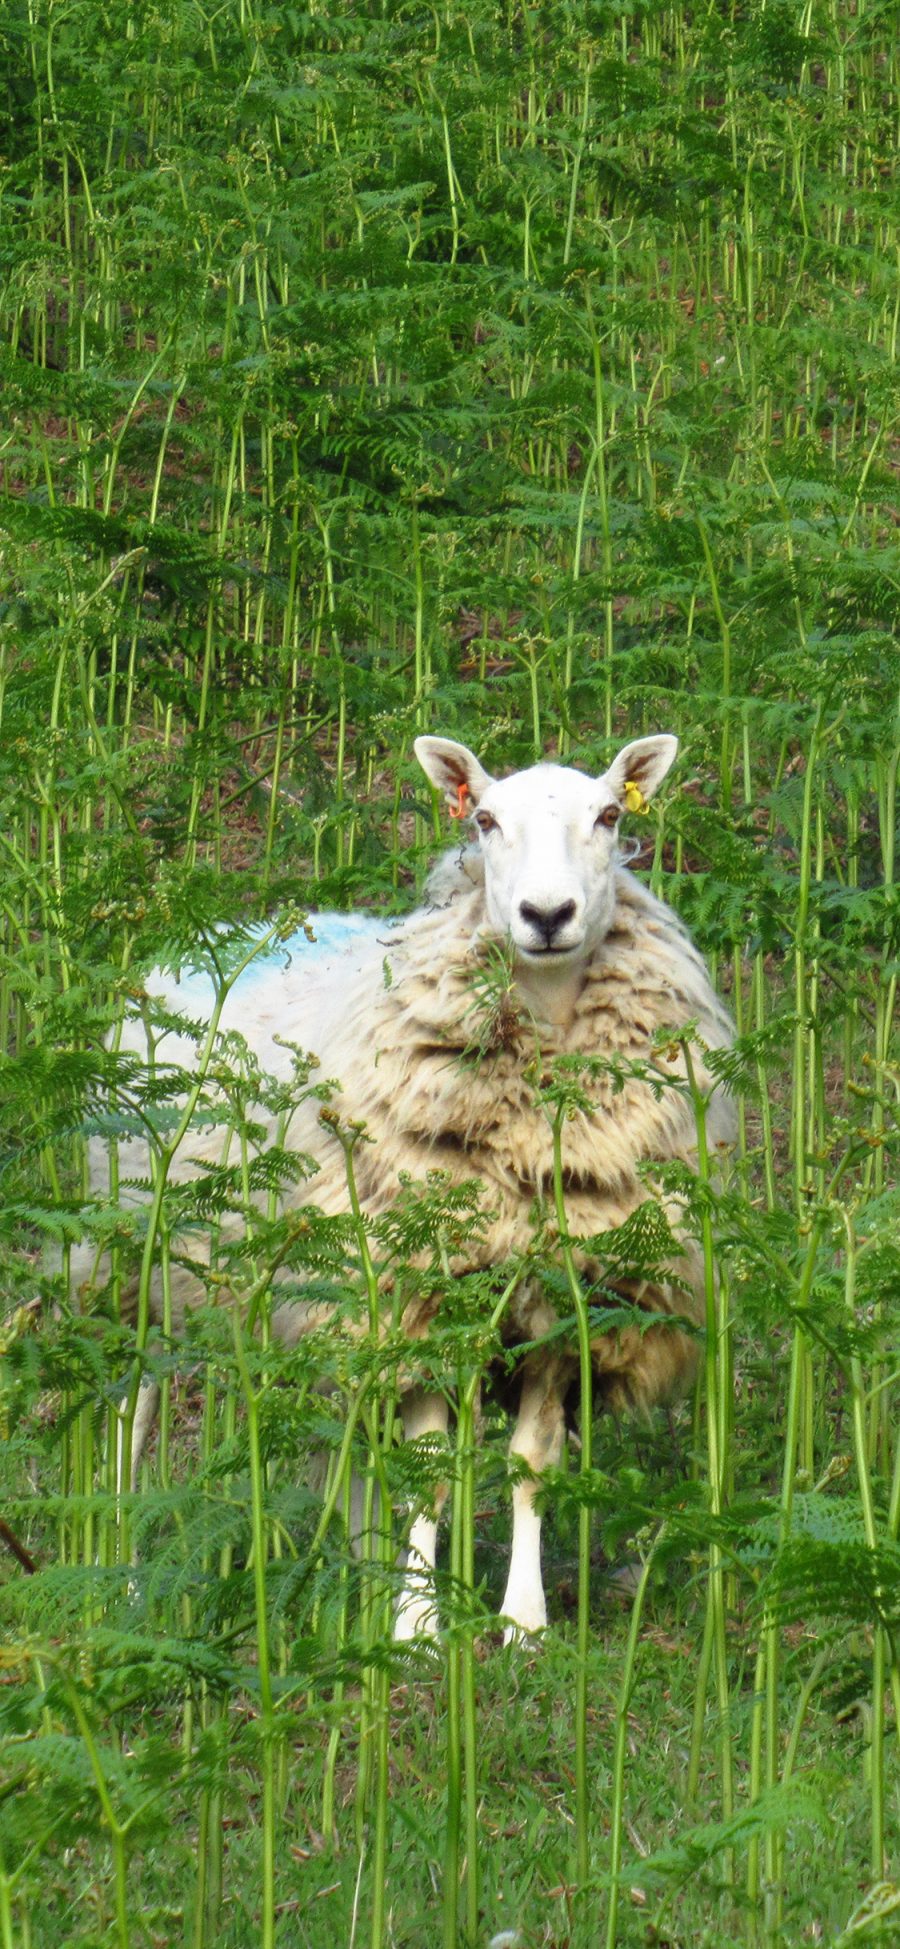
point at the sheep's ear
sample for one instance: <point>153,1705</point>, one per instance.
<point>454,770</point>
<point>642,766</point>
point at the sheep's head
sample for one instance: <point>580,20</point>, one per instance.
<point>549,839</point>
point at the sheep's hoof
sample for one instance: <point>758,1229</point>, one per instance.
<point>527,1640</point>
<point>524,1624</point>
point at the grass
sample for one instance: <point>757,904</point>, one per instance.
<point>527,375</point>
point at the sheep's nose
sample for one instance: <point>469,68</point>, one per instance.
<point>547,920</point>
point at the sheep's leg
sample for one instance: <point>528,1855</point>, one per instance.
<point>145,1412</point>
<point>422,1414</point>
<point>538,1439</point>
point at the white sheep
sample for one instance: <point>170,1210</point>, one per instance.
<point>599,966</point>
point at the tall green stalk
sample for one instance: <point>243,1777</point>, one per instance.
<point>583,1627</point>
<point>623,1706</point>
<point>259,1549</point>
<point>717,1390</point>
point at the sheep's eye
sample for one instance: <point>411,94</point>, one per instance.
<point>608,817</point>
<point>485,822</point>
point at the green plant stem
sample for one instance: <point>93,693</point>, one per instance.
<point>877,1785</point>
<point>716,1421</point>
<point>462,1718</point>
<point>222,986</point>
<point>263,1650</point>
<point>377,1679</point>
<point>623,1705</point>
<point>582,1651</point>
<point>117,1829</point>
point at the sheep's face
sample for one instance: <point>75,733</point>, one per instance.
<point>549,838</point>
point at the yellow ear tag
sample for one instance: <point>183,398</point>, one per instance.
<point>634,798</point>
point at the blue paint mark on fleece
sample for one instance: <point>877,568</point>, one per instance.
<point>332,932</point>
<point>334,936</point>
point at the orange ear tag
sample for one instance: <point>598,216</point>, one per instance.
<point>459,810</point>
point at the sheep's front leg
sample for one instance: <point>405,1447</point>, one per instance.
<point>422,1414</point>
<point>538,1439</point>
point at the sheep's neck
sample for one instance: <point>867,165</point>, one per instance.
<point>551,992</point>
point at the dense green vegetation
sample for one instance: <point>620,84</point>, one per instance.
<point>527,374</point>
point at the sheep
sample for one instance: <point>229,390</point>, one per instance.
<point>598,967</point>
